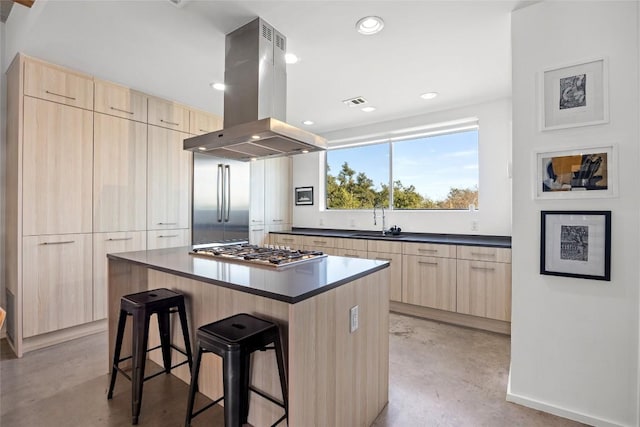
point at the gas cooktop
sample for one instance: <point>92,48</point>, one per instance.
<point>269,256</point>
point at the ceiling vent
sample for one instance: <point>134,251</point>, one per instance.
<point>355,102</point>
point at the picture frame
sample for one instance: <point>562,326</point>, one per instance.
<point>574,95</point>
<point>304,196</point>
<point>576,244</point>
<point>576,173</point>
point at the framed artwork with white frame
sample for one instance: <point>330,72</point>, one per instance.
<point>574,95</point>
<point>578,173</point>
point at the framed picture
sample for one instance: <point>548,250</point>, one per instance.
<point>576,173</point>
<point>304,195</point>
<point>574,95</point>
<point>576,244</point>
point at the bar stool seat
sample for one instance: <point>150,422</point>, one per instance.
<point>162,302</point>
<point>234,339</point>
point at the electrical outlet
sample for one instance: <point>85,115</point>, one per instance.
<point>353,319</point>
<point>474,225</point>
<point>352,223</point>
<point>321,221</point>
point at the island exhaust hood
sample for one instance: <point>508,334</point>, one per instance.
<point>255,95</point>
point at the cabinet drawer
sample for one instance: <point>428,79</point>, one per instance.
<point>429,249</point>
<point>429,282</point>
<point>350,253</point>
<point>477,253</point>
<point>120,101</point>
<point>168,115</point>
<point>319,242</point>
<point>158,239</point>
<point>395,285</point>
<point>201,122</point>
<point>484,289</point>
<point>294,242</point>
<point>57,84</point>
<point>351,244</point>
<point>382,246</point>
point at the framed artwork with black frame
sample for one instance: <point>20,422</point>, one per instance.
<point>576,244</point>
<point>304,196</point>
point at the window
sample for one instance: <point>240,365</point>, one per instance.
<point>427,172</point>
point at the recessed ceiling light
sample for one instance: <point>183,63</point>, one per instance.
<point>202,148</point>
<point>370,25</point>
<point>429,95</point>
<point>290,58</point>
<point>305,151</point>
<point>307,122</point>
<point>255,136</point>
<point>217,86</point>
<point>368,109</point>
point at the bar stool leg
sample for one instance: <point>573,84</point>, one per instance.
<point>244,384</point>
<point>164,328</point>
<point>140,339</point>
<point>122,320</point>
<point>232,387</point>
<point>282,373</point>
<point>182,312</point>
<point>193,387</point>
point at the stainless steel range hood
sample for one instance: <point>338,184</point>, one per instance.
<point>255,101</point>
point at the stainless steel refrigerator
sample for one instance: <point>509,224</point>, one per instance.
<point>220,200</point>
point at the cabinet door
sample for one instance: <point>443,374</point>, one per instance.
<point>57,168</point>
<point>201,122</point>
<point>120,101</point>
<point>119,174</point>
<point>319,242</point>
<point>168,115</point>
<point>159,239</point>
<point>353,253</point>
<point>47,81</point>
<point>168,180</point>
<point>57,289</point>
<point>277,188</point>
<point>395,286</point>
<point>107,243</point>
<point>291,240</point>
<point>429,282</point>
<point>484,289</point>
<point>479,253</point>
<point>258,235</point>
<point>429,249</point>
<point>256,203</point>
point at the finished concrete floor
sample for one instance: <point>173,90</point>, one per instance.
<point>440,375</point>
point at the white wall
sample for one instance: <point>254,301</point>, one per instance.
<point>574,348</point>
<point>3,120</point>
<point>494,215</point>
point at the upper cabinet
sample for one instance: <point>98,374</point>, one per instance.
<point>168,115</point>
<point>277,190</point>
<point>201,122</point>
<point>120,101</point>
<point>58,84</point>
<point>57,168</point>
<point>256,191</point>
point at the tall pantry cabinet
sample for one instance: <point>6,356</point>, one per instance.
<point>92,168</point>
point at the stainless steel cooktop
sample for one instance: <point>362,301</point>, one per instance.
<point>268,256</point>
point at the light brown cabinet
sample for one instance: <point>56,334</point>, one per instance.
<point>57,168</point>
<point>201,122</point>
<point>295,242</point>
<point>429,282</point>
<point>168,115</point>
<point>119,174</point>
<point>168,180</point>
<point>107,243</point>
<point>120,101</point>
<point>392,252</point>
<point>57,84</point>
<point>57,286</point>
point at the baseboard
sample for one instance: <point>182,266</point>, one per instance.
<point>57,337</point>
<point>459,319</point>
<point>557,410</point>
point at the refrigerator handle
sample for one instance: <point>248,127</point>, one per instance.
<point>219,189</point>
<point>227,192</point>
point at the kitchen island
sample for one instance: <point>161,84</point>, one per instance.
<point>336,377</point>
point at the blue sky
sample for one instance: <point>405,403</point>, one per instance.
<point>432,164</point>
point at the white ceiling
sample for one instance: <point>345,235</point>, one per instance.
<point>460,49</point>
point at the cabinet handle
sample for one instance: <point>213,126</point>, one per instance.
<point>169,123</point>
<point>320,242</point>
<point>352,256</point>
<point>63,96</point>
<point>278,220</point>
<point>122,111</point>
<point>258,229</point>
<point>427,263</point>
<point>111,239</point>
<point>384,259</point>
<point>287,240</point>
<point>167,223</point>
<point>427,250</point>
<point>167,235</point>
<point>473,267</point>
<point>204,130</point>
<point>58,243</point>
<point>482,254</point>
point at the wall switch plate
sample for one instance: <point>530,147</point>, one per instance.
<point>353,319</point>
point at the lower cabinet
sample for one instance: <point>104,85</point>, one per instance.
<point>57,290</point>
<point>395,287</point>
<point>429,282</point>
<point>160,239</point>
<point>484,289</point>
<point>107,243</point>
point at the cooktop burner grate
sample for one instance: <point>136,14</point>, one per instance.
<point>272,256</point>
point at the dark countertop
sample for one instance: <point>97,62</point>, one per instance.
<point>449,239</point>
<point>291,284</point>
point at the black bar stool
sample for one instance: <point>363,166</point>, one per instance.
<point>234,339</point>
<point>141,306</point>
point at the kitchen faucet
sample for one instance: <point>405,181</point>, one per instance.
<point>384,228</point>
